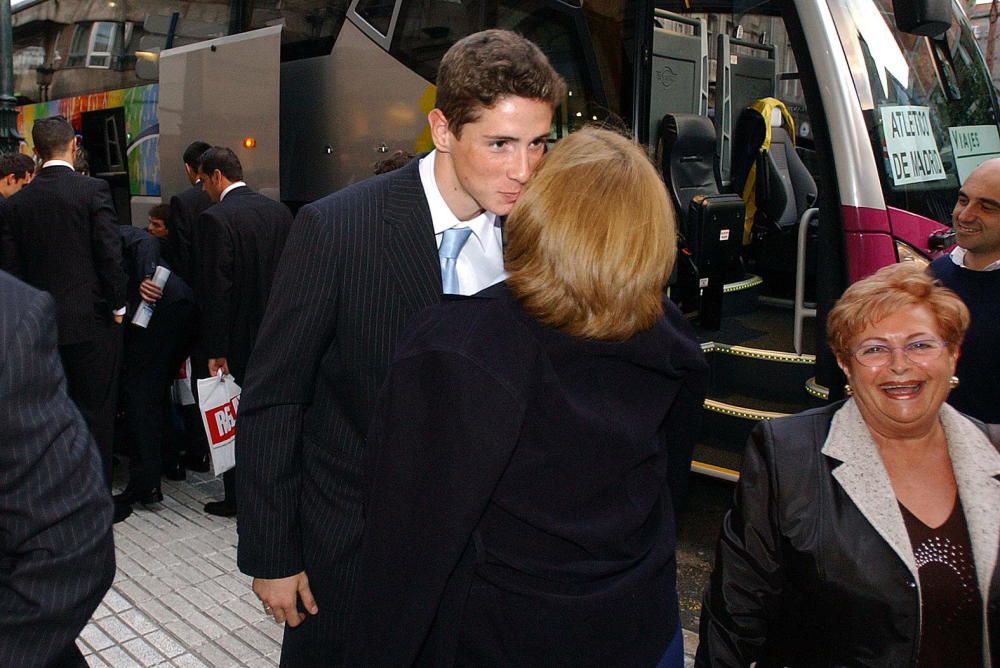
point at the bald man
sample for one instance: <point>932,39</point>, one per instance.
<point>971,270</point>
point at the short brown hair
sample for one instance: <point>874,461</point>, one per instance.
<point>481,69</point>
<point>160,212</point>
<point>592,239</point>
<point>18,164</point>
<point>886,291</point>
<point>51,135</point>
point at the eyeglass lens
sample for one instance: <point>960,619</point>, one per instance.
<point>918,352</point>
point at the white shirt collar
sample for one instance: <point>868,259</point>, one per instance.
<point>231,186</point>
<point>442,215</point>
<point>958,257</point>
<point>56,163</point>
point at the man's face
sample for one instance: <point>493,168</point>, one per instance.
<point>488,165</point>
<point>212,183</point>
<point>976,216</point>
<point>157,227</point>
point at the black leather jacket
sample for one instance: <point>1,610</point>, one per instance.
<point>802,578</point>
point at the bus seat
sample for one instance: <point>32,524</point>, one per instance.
<point>710,223</point>
<point>768,173</point>
<point>688,158</point>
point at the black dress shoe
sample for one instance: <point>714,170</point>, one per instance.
<point>122,511</point>
<point>197,463</point>
<point>221,508</point>
<point>175,472</point>
<point>147,498</point>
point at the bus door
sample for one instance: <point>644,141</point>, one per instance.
<point>746,81</point>
<point>104,143</point>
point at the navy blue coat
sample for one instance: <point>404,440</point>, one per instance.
<point>518,511</point>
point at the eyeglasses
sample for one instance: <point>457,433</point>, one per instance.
<point>874,355</point>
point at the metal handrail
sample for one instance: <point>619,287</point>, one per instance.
<point>801,312</point>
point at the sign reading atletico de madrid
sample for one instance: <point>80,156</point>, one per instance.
<point>221,421</point>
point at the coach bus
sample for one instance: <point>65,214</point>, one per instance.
<point>852,121</point>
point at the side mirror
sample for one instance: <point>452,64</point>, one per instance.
<point>929,18</point>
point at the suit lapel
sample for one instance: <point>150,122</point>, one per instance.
<point>410,248</point>
<point>863,477</point>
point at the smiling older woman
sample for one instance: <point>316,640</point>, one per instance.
<point>866,532</point>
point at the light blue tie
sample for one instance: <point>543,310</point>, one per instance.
<point>452,241</point>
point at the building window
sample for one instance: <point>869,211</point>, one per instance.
<point>97,45</point>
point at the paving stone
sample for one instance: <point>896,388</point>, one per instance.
<point>116,629</point>
<point>237,648</point>
<point>188,661</point>
<point>165,644</point>
<point>94,661</point>
<point>214,655</point>
<point>144,653</point>
<point>118,658</point>
<point>139,622</point>
<point>186,634</point>
<point>257,640</point>
<point>116,602</point>
<point>95,637</point>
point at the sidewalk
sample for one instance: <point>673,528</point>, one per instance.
<point>178,599</point>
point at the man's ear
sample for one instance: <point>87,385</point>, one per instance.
<point>440,133</point>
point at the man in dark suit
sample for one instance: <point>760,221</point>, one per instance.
<point>185,207</point>
<point>60,235</point>
<point>240,242</point>
<point>153,353</point>
<point>57,557</point>
<point>357,265</point>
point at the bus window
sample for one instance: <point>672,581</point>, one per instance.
<point>928,104</point>
<point>425,29</point>
<point>377,13</point>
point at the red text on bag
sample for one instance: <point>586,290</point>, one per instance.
<point>222,421</point>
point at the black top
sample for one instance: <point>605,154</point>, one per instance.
<point>978,394</point>
<point>518,510</point>
<point>951,607</point>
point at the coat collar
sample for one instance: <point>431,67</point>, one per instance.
<point>975,462</point>
<point>410,245</point>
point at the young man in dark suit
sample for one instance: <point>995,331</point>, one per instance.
<point>56,548</point>
<point>240,240</point>
<point>357,265</point>
<point>60,235</point>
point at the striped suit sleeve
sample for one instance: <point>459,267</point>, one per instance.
<point>297,330</point>
<point>55,510</point>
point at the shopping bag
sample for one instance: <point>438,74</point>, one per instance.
<point>218,402</point>
<point>181,389</point>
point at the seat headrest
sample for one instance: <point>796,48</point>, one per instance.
<point>690,133</point>
<point>776,119</point>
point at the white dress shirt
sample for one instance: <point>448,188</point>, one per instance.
<point>958,257</point>
<point>480,263</point>
<point>232,186</point>
<point>56,163</point>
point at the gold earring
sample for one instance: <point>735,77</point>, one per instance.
<point>953,381</point>
<point>848,390</point>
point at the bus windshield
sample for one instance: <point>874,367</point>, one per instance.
<point>928,104</point>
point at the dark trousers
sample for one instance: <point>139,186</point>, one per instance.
<point>92,369</point>
<point>152,357</point>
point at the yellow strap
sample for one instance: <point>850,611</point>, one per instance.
<point>764,107</point>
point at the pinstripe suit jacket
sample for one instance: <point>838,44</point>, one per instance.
<point>357,264</point>
<point>56,551</point>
